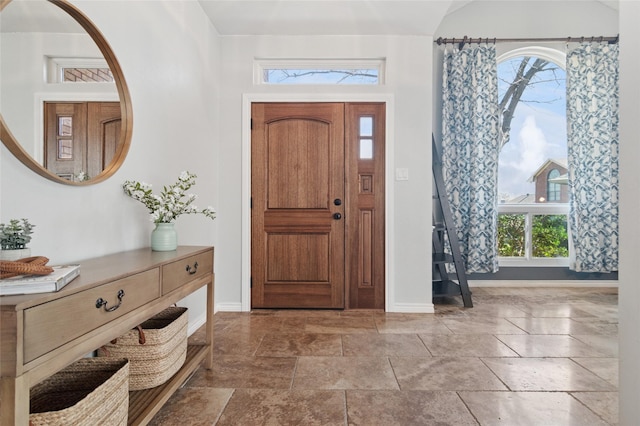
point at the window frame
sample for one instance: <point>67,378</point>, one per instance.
<point>553,187</point>
<point>529,210</point>
<point>261,65</point>
<point>56,66</point>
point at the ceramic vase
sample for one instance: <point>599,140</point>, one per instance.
<point>15,254</point>
<point>164,237</point>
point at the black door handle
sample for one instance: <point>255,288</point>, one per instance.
<point>337,216</point>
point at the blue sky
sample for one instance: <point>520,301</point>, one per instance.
<point>538,131</point>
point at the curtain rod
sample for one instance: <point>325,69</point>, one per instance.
<point>463,41</point>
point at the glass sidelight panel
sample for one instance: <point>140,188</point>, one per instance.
<point>366,126</point>
<point>65,126</point>
<point>65,141</point>
<point>65,149</point>
<point>365,131</point>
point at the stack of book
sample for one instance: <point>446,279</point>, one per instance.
<point>29,284</point>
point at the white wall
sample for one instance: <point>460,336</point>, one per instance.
<point>169,54</point>
<point>24,87</point>
<point>408,84</point>
<point>629,293</point>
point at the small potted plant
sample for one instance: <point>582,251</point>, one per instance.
<point>165,208</point>
<point>14,237</point>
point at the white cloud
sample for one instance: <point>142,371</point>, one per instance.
<point>533,146</point>
<point>522,156</point>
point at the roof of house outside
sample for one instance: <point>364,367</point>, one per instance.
<point>562,162</point>
<point>521,199</point>
<point>562,179</point>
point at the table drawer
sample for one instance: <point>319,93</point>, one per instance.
<point>53,324</point>
<point>177,273</point>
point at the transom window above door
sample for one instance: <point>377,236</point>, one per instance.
<point>319,72</point>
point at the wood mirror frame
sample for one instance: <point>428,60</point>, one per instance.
<point>125,107</point>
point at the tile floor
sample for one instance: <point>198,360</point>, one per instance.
<point>519,357</point>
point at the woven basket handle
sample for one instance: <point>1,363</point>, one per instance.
<point>141,339</point>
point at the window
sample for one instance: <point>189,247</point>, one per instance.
<point>553,188</point>
<point>366,137</point>
<point>324,72</point>
<point>78,70</point>
<point>92,75</point>
<point>530,231</point>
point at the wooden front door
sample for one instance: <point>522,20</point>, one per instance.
<point>297,233</point>
<point>80,137</point>
<point>317,218</point>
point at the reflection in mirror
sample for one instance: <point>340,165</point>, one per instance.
<point>65,109</point>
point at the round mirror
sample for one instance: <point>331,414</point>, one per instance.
<point>65,107</point>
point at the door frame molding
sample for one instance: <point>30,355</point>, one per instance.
<point>247,100</point>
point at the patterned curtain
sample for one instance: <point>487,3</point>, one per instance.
<point>470,149</point>
<point>592,132</point>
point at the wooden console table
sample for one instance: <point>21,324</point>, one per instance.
<point>43,333</point>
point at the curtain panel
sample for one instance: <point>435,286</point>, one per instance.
<point>470,149</point>
<point>592,145</point>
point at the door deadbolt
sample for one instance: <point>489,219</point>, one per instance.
<point>337,201</point>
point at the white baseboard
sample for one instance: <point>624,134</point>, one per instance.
<point>196,323</point>
<point>228,307</point>
<point>412,308</point>
<point>542,283</point>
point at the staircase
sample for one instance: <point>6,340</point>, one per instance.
<point>445,283</point>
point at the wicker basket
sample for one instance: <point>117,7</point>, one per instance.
<point>89,392</point>
<point>156,352</point>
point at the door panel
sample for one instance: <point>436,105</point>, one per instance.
<point>298,156</point>
<point>365,130</point>
<point>80,137</point>
<point>103,135</point>
<point>297,253</point>
<point>65,138</point>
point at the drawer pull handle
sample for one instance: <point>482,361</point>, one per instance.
<point>101,302</point>
<point>193,270</point>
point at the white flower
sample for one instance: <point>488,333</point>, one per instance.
<point>169,205</point>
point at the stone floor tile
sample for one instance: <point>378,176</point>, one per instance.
<point>344,373</point>
<point>606,344</point>
<point>529,408</point>
<point>339,325</point>
<point>231,371</point>
<point>549,346</point>
<point>481,325</point>
<point>236,344</point>
<point>545,374</point>
<point>406,408</point>
<point>283,407</point>
<point>193,407</point>
<point>466,345</point>
<point>565,326</point>
<point>544,325</point>
<point>605,368</point>
<point>604,404</point>
<point>366,344</point>
<point>557,310</point>
<point>496,310</point>
<point>602,311</point>
<point>412,324</point>
<point>445,374</point>
<point>300,344</point>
